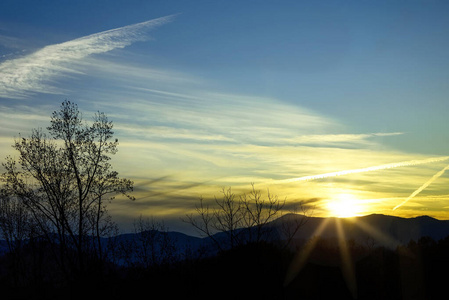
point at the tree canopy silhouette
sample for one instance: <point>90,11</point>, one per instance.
<point>63,177</point>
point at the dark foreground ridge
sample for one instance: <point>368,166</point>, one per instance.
<point>389,257</point>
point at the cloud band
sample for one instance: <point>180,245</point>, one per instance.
<point>30,74</point>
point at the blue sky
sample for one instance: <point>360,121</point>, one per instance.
<point>205,94</point>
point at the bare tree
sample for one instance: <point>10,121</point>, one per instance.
<point>203,222</point>
<point>64,177</point>
<point>258,212</point>
<point>241,219</point>
<point>226,218</point>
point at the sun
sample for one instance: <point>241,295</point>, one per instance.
<point>344,206</point>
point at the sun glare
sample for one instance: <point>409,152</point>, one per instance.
<point>344,206</point>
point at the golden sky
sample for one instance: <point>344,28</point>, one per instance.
<point>211,95</point>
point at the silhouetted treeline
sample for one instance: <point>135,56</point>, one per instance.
<point>255,270</point>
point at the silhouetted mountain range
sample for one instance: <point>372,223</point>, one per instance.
<point>381,230</point>
<point>372,230</point>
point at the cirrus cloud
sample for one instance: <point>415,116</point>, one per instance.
<point>33,73</point>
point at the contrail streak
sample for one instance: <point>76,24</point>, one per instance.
<point>421,188</point>
<point>29,74</point>
<point>368,169</point>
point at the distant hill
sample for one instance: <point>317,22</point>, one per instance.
<point>382,230</point>
<point>375,230</point>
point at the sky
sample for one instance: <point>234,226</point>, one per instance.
<point>326,103</point>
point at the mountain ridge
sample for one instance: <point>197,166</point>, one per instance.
<point>377,229</point>
<point>386,230</point>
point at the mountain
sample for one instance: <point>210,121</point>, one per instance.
<point>180,241</point>
<point>375,229</point>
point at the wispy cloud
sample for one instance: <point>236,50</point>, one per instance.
<point>171,133</point>
<point>137,77</point>
<point>33,73</point>
<point>12,43</point>
<point>228,117</point>
<point>338,139</point>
